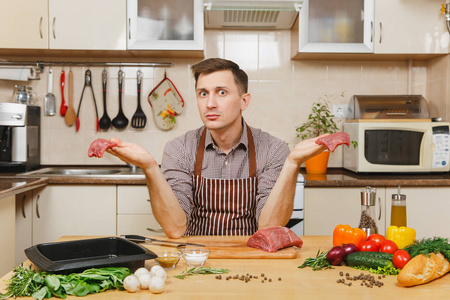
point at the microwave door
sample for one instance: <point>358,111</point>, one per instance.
<point>393,147</point>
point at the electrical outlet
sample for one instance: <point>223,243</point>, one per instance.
<point>340,111</point>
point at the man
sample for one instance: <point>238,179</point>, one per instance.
<point>224,178</point>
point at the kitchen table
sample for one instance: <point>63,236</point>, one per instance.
<point>295,283</point>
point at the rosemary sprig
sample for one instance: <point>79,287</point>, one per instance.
<point>317,263</point>
<point>201,270</point>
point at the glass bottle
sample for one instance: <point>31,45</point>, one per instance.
<point>368,215</point>
<point>398,209</point>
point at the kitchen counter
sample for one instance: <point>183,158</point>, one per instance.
<point>14,184</point>
<point>295,283</point>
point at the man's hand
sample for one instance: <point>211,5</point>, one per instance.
<point>305,150</point>
<point>132,153</point>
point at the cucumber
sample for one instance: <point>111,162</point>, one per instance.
<point>368,260</point>
<point>382,255</point>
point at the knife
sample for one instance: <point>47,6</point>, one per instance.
<point>143,239</point>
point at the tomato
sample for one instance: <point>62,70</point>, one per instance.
<point>401,258</point>
<point>377,238</point>
<point>388,246</point>
<point>368,246</point>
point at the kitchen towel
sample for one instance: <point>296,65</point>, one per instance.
<point>19,73</point>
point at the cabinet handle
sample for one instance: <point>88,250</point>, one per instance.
<point>148,200</point>
<point>371,32</point>
<point>53,28</point>
<point>23,206</point>
<point>40,28</point>
<point>129,28</point>
<point>37,207</point>
<point>381,32</point>
<point>379,205</point>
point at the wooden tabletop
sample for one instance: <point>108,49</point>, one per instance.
<point>295,283</point>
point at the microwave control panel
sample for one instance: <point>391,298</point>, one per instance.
<point>441,140</point>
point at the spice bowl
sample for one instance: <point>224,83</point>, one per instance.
<point>168,260</point>
<point>196,257</point>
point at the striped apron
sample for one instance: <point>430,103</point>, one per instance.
<point>224,206</point>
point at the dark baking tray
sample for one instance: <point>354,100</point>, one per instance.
<point>79,255</point>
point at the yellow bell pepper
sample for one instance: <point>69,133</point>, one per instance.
<point>402,236</point>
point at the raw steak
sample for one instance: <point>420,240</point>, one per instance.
<point>99,146</point>
<point>273,239</point>
<point>333,140</point>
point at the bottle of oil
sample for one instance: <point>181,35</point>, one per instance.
<point>398,209</point>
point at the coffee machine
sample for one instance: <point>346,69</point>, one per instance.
<point>20,127</point>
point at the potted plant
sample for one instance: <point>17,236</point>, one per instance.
<point>320,121</point>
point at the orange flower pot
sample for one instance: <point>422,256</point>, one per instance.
<point>317,164</point>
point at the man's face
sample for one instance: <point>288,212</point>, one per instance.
<point>219,101</point>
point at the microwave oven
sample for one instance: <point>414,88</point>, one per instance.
<point>398,147</point>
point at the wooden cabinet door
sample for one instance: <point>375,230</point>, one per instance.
<point>410,27</point>
<point>24,24</point>
<point>24,225</point>
<point>426,210</point>
<point>73,210</point>
<point>87,25</point>
<point>134,212</point>
<point>327,207</point>
<point>7,219</point>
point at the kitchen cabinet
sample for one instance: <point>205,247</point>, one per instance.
<point>134,212</point>
<point>24,225</point>
<point>24,24</point>
<point>394,27</point>
<point>87,25</point>
<point>426,210</point>
<point>343,27</point>
<point>73,210</point>
<point>327,207</point>
<point>410,27</point>
<point>165,24</point>
<point>7,220</point>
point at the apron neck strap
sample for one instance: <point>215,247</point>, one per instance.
<point>251,154</point>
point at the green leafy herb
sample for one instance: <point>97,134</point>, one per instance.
<point>426,246</point>
<point>201,270</point>
<point>27,282</point>
<point>387,270</point>
<point>317,263</point>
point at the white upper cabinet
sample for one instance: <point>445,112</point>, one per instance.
<point>410,27</point>
<point>165,24</point>
<point>87,25</point>
<point>335,26</point>
<point>24,24</point>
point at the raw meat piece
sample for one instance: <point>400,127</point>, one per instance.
<point>273,239</point>
<point>99,146</point>
<point>333,140</point>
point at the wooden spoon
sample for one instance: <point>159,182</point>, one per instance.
<point>70,115</point>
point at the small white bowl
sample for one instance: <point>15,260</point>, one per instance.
<point>196,257</point>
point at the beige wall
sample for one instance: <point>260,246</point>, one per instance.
<point>283,91</point>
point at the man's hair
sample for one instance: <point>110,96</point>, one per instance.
<point>212,65</point>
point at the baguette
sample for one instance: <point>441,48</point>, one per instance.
<point>422,269</point>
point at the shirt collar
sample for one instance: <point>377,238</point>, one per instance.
<point>209,142</point>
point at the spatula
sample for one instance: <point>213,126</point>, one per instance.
<point>70,115</point>
<point>139,119</point>
<point>49,102</point>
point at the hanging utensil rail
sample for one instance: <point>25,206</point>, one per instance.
<point>39,65</point>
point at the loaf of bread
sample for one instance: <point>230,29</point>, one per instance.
<point>422,269</point>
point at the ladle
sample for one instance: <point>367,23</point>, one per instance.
<point>120,121</point>
<point>105,121</point>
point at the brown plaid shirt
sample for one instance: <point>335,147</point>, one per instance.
<point>179,160</point>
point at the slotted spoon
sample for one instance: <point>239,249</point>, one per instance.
<point>139,119</point>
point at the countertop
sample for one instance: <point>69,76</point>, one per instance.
<point>295,283</point>
<point>335,177</point>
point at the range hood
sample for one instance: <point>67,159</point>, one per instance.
<point>251,14</point>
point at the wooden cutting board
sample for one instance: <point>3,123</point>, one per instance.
<point>236,247</point>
